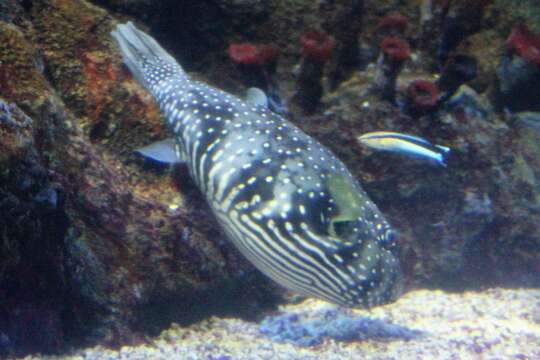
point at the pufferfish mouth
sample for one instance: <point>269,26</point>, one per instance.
<point>381,279</point>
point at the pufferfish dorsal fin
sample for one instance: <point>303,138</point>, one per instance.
<point>256,97</point>
<point>162,151</point>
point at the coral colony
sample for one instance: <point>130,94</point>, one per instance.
<point>394,52</point>
<point>524,43</point>
<point>519,71</point>
<point>444,24</point>
<point>317,48</point>
<point>422,97</point>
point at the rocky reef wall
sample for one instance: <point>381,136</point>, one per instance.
<point>97,244</point>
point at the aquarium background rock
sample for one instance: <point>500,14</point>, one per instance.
<point>99,245</point>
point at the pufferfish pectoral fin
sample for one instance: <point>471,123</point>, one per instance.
<point>164,151</point>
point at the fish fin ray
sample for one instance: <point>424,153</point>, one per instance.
<point>256,97</point>
<point>443,148</point>
<point>162,151</point>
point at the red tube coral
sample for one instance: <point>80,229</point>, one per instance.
<point>317,44</point>
<point>422,96</point>
<point>393,23</point>
<point>394,52</point>
<point>244,53</point>
<point>526,44</point>
<point>250,54</point>
<point>396,48</point>
<point>317,48</point>
<point>518,73</point>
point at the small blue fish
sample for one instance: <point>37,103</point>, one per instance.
<point>403,143</point>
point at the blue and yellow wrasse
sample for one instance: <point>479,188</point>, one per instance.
<point>403,143</point>
<point>286,202</point>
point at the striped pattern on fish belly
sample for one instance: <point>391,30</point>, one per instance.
<point>287,203</point>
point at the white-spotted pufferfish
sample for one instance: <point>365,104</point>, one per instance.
<point>286,202</point>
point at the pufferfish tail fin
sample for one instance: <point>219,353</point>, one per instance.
<point>145,58</point>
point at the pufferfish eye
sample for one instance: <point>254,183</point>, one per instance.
<point>341,228</point>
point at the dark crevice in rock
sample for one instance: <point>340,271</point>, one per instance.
<point>34,289</point>
<point>188,307</point>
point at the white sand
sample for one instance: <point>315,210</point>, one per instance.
<point>492,324</point>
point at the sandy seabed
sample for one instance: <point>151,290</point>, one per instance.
<point>423,324</point>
